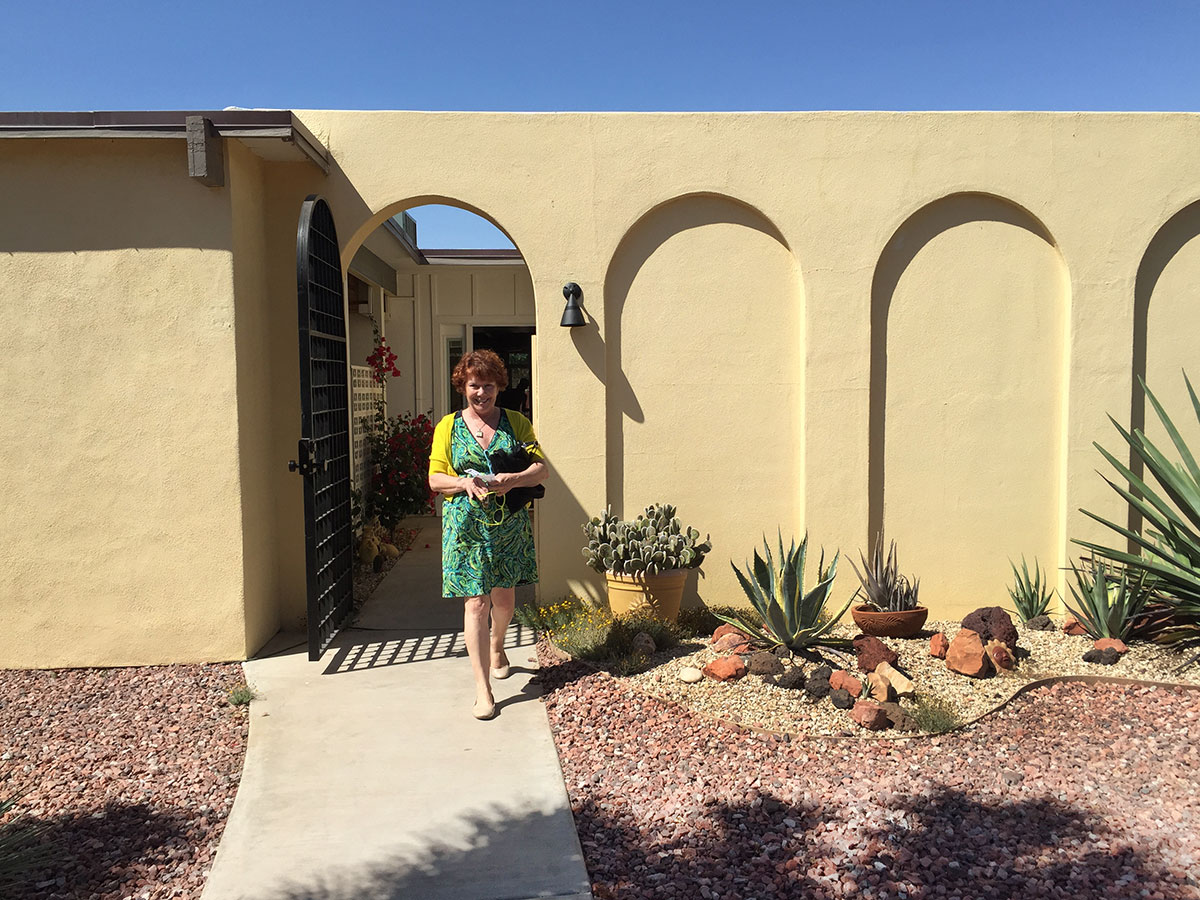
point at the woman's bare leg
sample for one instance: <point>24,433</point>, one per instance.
<point>475,633</point>
<point>504,600</point>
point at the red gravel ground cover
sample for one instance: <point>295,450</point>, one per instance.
<point>132,770</point>
<point>1070,791</point>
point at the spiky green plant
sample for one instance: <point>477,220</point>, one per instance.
<point>1031,594</point>
<point>885,588</point>
<point>792,618</point>
<point>1106,608</point>
<point>1169,557</point>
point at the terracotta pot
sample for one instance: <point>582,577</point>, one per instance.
<point>905,623</point>
<point>657,596</point>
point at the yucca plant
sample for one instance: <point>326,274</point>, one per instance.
<point>793,618</point>
<point>1031,595</point>
<point>885,588</point>
<point>1170,545</point>
<point>1107,606</point>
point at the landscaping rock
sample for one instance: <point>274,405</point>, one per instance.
<point>871,651</point>
<point>1000,655</point>
<point>690,674</point>
<point>733,642</point>
<point>1106,657</point>
<point>1072,626</point>
<point>768,679</point>
<point>1115,643</point>
<point>725,668</point>
<point>900,682</point>
<point>793,679</point>
<point>992,623</point>
<point>841,698</point>
<point>899,719</point>
<point>938,645</point>
<point>870,715</point>
<point>644,644</point>
<point>764,662</point>
<point>844,681</point>
<point>817,683</point>
<point>966,655</point>
<point>725,629</point>
<point>879,688</point>
<point>1040,623</point>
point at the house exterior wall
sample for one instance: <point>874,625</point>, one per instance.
<point>821,322</point>
<point>120,476</point>
<point>832,322</point>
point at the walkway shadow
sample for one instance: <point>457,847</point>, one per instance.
<point>500,854</point>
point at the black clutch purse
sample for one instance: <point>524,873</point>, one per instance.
<point>517,459</point>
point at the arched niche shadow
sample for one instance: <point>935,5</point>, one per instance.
<point>640,242</point>
<point>906,243</point>
<point>1163,247</point>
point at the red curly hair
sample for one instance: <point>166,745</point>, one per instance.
<point>484,365</point>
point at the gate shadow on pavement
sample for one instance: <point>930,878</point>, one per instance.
<point>360,649</point>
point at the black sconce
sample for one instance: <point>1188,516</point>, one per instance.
<point>573,314</point>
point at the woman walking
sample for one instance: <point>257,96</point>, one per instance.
<point>487,549</point>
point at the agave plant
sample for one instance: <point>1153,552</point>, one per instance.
<point>885,588</point>
<point>21,850</point>
<point>1106,605</point>
<point>1031,595</point>
<point>1169,557</point>
<point>792,618</point>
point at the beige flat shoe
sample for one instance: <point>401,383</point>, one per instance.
<point>501,673</point>
<point>483,713</point>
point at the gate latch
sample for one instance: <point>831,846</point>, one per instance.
<point>306,466</point>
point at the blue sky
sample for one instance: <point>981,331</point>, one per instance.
<point>565,55</point>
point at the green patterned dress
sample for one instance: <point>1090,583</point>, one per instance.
<point>477,553</point>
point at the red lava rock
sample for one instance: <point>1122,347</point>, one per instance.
<point>1000,655</point>
<point>992,623</point>
<point>870,715</point>
<point>938,645</point>
<point>1071,626</point>
<point>871,651</point>
<point>725,668</point>
<point>843,680</point>
<point>1112,643</point>
<point>966,655</point>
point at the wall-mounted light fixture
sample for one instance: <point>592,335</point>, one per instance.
<point>573,314</point>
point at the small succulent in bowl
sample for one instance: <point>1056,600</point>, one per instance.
<point>884,588</point>
<point>656,541</point>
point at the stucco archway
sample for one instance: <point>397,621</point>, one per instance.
<point>968,315</point>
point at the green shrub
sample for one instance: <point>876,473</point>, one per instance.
<point>934,714</point>
<point>241,695</point>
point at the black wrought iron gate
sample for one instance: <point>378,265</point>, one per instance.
<point>323,457</point>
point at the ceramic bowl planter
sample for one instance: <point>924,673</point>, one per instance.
<point>653,596</point>
<point>889,623</point>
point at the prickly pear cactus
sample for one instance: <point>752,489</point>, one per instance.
<point>653,542</point>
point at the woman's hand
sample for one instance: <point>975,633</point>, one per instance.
<point>476,488</point>
<point>504,482</point>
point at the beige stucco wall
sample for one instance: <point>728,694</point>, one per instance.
<point>947,387</point>
<point>119,398</point>
<point>825,321</point>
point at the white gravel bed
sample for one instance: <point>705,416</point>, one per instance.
<point>1041,654</point>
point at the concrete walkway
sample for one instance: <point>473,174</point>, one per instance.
<point>366,777</point>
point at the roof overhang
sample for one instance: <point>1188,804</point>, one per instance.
<point>273,134</point>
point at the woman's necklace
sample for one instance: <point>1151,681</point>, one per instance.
<point>478,432</point>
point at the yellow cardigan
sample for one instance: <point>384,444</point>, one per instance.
<point>439,456</point>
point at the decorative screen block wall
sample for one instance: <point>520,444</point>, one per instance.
<point>365,393</point>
